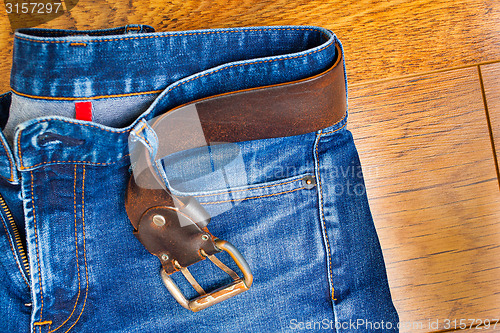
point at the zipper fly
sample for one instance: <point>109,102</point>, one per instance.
<point>23,259</point>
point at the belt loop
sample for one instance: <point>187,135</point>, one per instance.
<point>145,134</point>
<point>131,29</point>
<point>42,326</point>
<point>8,169</point>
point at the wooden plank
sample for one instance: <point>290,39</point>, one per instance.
<point>382,39</point>
<point>426,153</point>
<point>491,81</point>
<point>6,36</point>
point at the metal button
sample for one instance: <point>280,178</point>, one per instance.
<point>308,182</point>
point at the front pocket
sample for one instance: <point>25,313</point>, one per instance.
<point>276,227</point>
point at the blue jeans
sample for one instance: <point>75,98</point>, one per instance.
<point>71,262</point>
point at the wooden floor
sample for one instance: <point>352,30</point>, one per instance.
<point>425,112</point>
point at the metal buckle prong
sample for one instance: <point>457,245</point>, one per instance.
<point>204,301</point>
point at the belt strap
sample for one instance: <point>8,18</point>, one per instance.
<point>279,110</point>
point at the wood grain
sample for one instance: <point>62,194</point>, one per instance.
<point>382,39</point>
<point>491,83</point>
<point>431,180</point>
<point>423,141</point>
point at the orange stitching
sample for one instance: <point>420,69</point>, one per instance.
<point>338,129</point>
<point>19,148</point>
<point>173,35</point>
<point>87,98</point>
<point>85,162</point>
<point>260,196</point>
<point>13,252</point>
<point>36,245</point>
<point>247,189</point>
<point>144,138</point>
<point>78,44</point>
<point>84,253</point>
<point>40,323</point>
<point>140,129</point>
<point>323,216</point>
<point>76,247</point>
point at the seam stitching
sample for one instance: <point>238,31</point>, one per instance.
<point>338,129</point>
<point>143,137</point>
<point>36,246</point>
<point>150,92</point>
<point>247,189</point>
<point>84,253</point>
<point>76,252</point>
<point>13,252</point>
<point>256,197</point>
<point>137,132</point>
<point>85,162</point>
<point>322,217</point>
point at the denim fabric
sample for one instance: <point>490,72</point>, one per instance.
<point>313,250</point>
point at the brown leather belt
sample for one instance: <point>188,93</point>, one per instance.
<point>280,110</point>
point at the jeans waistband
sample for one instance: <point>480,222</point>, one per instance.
<point>88,64</point>
<point>65,65</point>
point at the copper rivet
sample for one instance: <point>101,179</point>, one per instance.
<point>164,257</point>
<point>159,220</point>
<point>205,237</point>
<point>308,182</point>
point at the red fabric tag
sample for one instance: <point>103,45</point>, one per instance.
<point>83,111</point>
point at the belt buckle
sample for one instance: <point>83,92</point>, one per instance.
<point>206,300</point>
